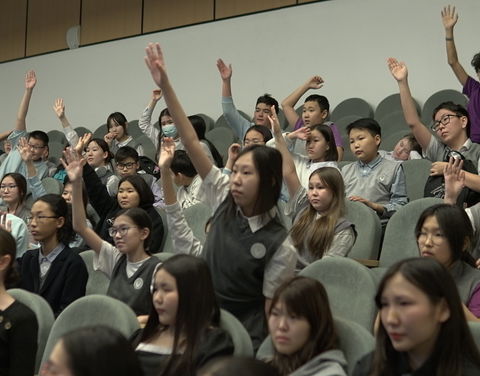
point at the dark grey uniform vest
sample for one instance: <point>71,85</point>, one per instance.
<point>134,291</point>
<point>466,278</point>
<point>237,259</point>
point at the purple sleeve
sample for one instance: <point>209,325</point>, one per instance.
<point>474,303</point>
<point>298,124</point>
<point>336,134</point>
<point>470,86</point>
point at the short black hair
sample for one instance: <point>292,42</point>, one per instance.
<point>368,124</point>
<point>181,164</point>
<point>264,131</point>
<point>118,118</point>
<point>269,101</point>
<point>476,62</point>
<point>321,100</point>
<point>126,152</point>
<point>39,135</point>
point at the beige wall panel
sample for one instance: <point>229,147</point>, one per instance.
<point>48,22</point>
<point>229,8</point>
<point>165,14</point>
<point>110,19</point>
<point>13,15</point>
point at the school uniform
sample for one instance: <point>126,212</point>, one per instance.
<point>60,277</point>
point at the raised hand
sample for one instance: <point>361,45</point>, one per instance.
<point>4,223</point>
<point>449,17</point>
<point>234,151</point>
<point>73,164</point>
<point>454,179</point>
<point>225,71</point>
<point>82,143</point>
<point>156,95</point>
<point>156,63</point>
<point>166,153</point>
<point>315,82</point>
<point>59,108</point>
<point>397,69</point>
<point>24,150</point>
<point>30,79</point>
<point>274,123</point>
<point>108,138</point>
<point>301,133</point>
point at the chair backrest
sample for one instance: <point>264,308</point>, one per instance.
<point>82,130</point>
<point>416,172</point>
<point>352,106</point>
<point>52,185</point>
<point>240,337</point>
<point>399,242</point>
<point>56,136</point>
<point>166,236</point>
<point>475,330</point>
<point>45,318</point>
<point>97,282</point>
<point>92,310</point>
<point>222,138</point>
<point>392,124</point>
<point>390,105</point>
<point>149,149</point>
<point>355,342</point>
<point>389,140</point>
<point>350,288</point>
<point>369,230</point>
<point>100,132</point>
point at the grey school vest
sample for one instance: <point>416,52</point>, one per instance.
<point>134,291</point>
<point>237,259</point>
<point>377,186</point>
<point>466,278</point>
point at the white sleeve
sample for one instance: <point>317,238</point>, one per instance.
<point>280,268</point>
<point>181,234</point>
<point>106,259</point>
<point>214,188</point>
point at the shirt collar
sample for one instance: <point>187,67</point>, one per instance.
<point>52,255</point>
<point>123,143</point>
<point>372,164</point>
<point>258,221</point>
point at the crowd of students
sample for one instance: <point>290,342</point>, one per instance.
<point>248,262</point>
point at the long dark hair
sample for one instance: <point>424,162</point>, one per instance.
<point>454,343</point>
<point>456,227</point>
<point>8,247</point>
<point>100,350</point>
<point>196,296</point>
<point>144,192</point>
<point>306,298</point>
<point>268,163</point>
<point>59,207</point>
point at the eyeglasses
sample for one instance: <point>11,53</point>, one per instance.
<point>443,121</point>
<point>9,187</point>
<point>436,237</point>
<point>128,165</point>
<point>253,141</point>
<point>40,218</point>
<point>36,147</point>
<point>122,231</point>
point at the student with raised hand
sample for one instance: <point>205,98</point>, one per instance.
<point>245,225</point>
<point>471,87</point>
<point>19,327</point>
<point>315,111</point>
<point>53,271</point>
<point>305,342</point>
<point>37,140</point>
<point>319,227</point>
<point>128,264</point>
<point>236,121</point>
<point>450,123</point>
<point>422,329</point>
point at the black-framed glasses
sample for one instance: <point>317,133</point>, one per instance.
<point>443,121</point>
<point>122,231</point>
<point>128,165</point>
<point>36,147</point>
<point>40,218</point>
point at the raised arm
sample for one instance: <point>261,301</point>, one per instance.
<point>315,82</point>
<point>73,164</point>
<point>156,64</point>
<point>70,134</point>
<point>166,156</point>
<point>288,167</point>
<point>400,73</point>
<point>30,82</point>
<point>226,75</point>
<point>145,121</point>
<point>449,19</point>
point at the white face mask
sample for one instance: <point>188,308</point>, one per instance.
<point>169,130</point>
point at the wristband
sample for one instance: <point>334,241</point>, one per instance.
<point>449,39</point>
